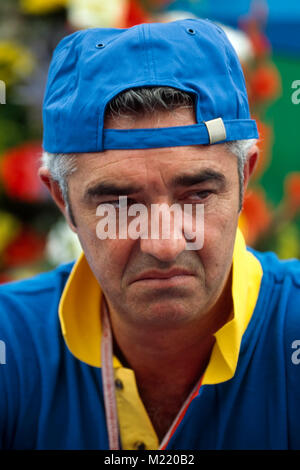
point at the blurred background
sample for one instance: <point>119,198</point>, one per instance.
<point>266,36</point>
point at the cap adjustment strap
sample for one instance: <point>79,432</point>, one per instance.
<point>216,130</point>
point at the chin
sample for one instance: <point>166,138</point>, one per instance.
<point>170,314</point>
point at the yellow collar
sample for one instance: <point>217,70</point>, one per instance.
<point>81,327</point>
<point>246,278</point>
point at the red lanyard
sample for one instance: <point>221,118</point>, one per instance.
<point>109,390</point>
<point>109,382</point>
<point>180,415</point>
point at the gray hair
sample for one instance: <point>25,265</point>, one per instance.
<point>130,104</point>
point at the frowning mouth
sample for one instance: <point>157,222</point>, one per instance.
<point>164,278</point>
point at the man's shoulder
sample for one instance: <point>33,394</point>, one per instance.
<point>26,300</point>
<point>279,297</point>
<point>32,353</point>
<point>280,270</point>
<point>38,283</point>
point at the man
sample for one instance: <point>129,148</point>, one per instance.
<point>166,339</point>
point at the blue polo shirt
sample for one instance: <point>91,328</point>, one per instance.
<point>51,393</point>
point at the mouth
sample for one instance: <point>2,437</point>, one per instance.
<point>161,279</point>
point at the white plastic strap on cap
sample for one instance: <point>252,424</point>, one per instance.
<point>216,130</point>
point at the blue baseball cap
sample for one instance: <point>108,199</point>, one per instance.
<point>90,67</point>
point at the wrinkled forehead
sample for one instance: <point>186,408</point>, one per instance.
<point>150,171</point>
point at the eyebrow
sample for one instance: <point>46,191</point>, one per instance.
<point>110,189</point>
<point>113,189</point>
<point>199,177</point>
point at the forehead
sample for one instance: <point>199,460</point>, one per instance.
<point>152,166</point>
<point>166,162</point>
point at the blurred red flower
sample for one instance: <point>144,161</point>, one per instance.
<point>259,42</point>
<point>292,191</point>
<point>255,217</point>
<point>5,278</point>
<point>264,143</point>
<point>265,82</point>
<point>27,248</point>
<point>19,167</point>
<point>135,14</point>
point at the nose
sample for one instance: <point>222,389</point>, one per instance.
<point>165,242</point>
<point>164,250</point>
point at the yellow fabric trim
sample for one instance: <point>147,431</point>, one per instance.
<point>135,424</point>
<point>79,314</point>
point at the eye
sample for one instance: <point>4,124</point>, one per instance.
<point>201,195</point>
<point>204,194</point>
<point>117,204</point>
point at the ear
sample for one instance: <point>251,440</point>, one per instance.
<point>250,164</point>
<point>56,194</point>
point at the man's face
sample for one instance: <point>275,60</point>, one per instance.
<point>123,266</point>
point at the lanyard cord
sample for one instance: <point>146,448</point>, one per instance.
<point>180,415</point>
<point>108,380</point>
<point>109,390</point>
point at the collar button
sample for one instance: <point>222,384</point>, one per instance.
<point>139,445</point>
<point>119,384</point>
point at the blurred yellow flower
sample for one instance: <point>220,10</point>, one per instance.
<point>16,62</point>
<point>288,242</point>
<point>40,7</point>
<point>9,228</point>
<point>97,13</point>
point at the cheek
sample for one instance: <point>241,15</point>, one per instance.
<point>114,255</point>
<point>107,259</point>
<point>219,238</point>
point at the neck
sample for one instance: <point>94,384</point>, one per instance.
<point>165,377</point>
<point>168,362</point>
